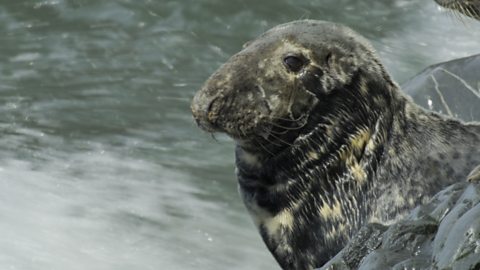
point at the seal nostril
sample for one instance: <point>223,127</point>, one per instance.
<point>203,111</point>
<point>210,105</point>
<point>211,111</point>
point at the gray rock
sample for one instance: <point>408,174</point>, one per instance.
<point>452,88</point>
<point>443,234</point>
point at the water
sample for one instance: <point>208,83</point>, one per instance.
<point>101,165</point>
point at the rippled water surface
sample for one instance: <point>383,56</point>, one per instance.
<point>101,165</point>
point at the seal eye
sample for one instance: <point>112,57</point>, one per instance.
<point>293,63</point>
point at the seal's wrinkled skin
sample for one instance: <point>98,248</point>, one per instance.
<point>326,141</point>
<point>470,8</point>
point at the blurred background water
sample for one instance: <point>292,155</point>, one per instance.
<point>101,165</point>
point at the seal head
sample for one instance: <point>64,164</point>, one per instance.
<point>272,85</point>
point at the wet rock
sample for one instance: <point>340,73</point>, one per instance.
<point>442,234</point>
<point>452,88</point>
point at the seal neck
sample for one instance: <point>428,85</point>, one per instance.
<point>351,123</point>
<point>320,188</point>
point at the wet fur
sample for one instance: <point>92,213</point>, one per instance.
<point>325,150</point>
<point>470,8</point>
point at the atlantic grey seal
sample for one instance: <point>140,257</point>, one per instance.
<point>325,139</point>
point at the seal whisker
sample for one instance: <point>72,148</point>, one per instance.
<point>272,142</point>
<point>288,128</point>
<point>281,140</point>
<point>279,132</point>
<point>291,119</point>
<point>258,143</point>
<point>266,135</point>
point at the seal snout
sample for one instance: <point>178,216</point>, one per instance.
<point>205,111</point>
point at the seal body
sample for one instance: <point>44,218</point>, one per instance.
<point>326,141</point>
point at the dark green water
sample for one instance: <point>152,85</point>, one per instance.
<point>101,165</point>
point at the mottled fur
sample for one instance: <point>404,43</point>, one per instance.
<point>470,8</point>
<point>325,149</point>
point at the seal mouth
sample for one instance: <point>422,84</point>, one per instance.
<point>204,115</point>
<point>266,134</point>
<point>240,118</point>
<point>213,121</point>
<point>206,111</point>
<point>201,122</point>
